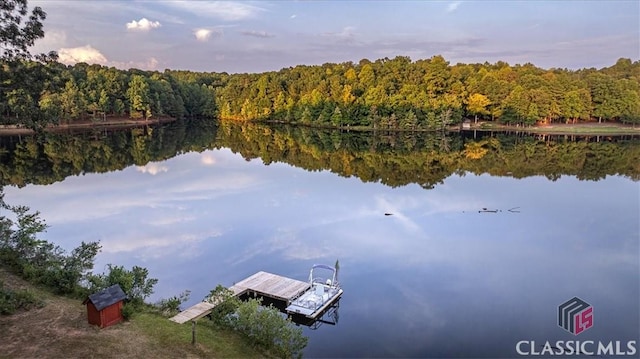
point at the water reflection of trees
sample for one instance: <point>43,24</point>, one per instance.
<point>427,158</point>
<point>392,158</point>
<point>50,157</point>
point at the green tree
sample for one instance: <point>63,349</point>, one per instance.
<point>138,95</point>
<point>21,105</point>
<point>631,107</point>
<point>16,34</point>
<point>409,121</point>
<point>367,76</point>
<point>21,79</point>
<point>67,277</point>
<point>605,94</point>
<point>72,101</point>
<point>336,117</point>
<point>134,283</point>
<point>51,106</point>
<point>38,260</point>
<point>576,105</point>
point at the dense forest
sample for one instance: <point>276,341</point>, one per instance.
<point>398,93</point>
<point>395,158</point>
<point>37,90</point>
<point>403,94</point>
<point>385,94</point>
<point>34,94</point>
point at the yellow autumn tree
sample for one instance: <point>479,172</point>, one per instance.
<point>477,105</point>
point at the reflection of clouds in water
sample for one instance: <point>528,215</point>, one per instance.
<point>159,245</point>
<point>152,168</point>
<point>418,308</point>
<point>207,159</point>
<point>93,197</point>
<point>335,230</point>
<point>416,268</point>
<point>287,243</point>
<point>396,209</point>
<point>212,184</point>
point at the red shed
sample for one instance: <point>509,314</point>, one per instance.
<point>105,307</point>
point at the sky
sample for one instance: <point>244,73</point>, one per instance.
<point>259,36</point>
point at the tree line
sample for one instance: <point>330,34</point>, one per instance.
<point>385,94</point>
<point>431,93</point>
<point>37,90</point>
<point>34,94</point>
<point>398,93</point>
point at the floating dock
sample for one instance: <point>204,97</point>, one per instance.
<point>261,284</point>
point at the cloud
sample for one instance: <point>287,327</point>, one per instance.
<point>54,38</point>
<point>88,54</point>
<point>205,34</point>
<point>346,35</point>
<point>293,16</point>
<point>453,6</point>
<point>262,34</point>
<point>85,53</point>
<point>152,168</point>
<point>143,25</point>
<point>225,10</point>
<point>150,64</point>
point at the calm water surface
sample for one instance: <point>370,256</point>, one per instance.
<point>437,278</point>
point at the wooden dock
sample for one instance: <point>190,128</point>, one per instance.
<point>261,284</point>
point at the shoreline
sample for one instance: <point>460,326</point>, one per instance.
<point>113,123</point>
<point>595,129</point>
<point>583,129</point>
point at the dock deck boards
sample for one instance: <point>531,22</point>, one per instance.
<point>271,285</point>
<point>262,283</point>
<point>192,313</point>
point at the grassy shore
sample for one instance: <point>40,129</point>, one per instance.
<point>60,330</point>
<point>590,128</point>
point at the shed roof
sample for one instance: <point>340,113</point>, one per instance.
<point>107,297</point>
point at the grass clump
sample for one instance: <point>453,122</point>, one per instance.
<point>14,300</point>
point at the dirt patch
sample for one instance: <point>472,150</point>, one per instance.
<point>60,330</point>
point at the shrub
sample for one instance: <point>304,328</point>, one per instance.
<point>13,300</point>
<point>128,309</point>
<point>228,303</point>
<point>266,327</point>
<point>171,306</point>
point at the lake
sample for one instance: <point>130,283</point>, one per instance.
<point>485,238</point>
